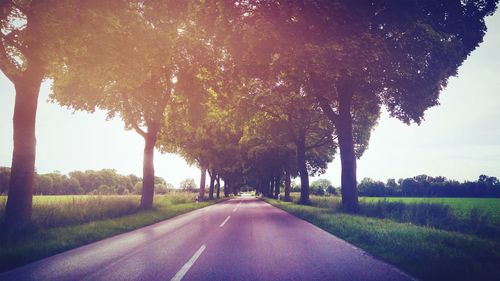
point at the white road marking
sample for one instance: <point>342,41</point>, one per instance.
<point>234,210</point>
<point>224,222</point>
<point>188,264</point>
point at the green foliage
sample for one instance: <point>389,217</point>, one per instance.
<point>163,188</point>
<point>321,187</point>
<point>188,185</point>
<point>104,190</point>
<point>102,182</point>
<point>4,179</point>
<point>368,187</point>
<point>138,188</point>
<point>427,186</point>
<point>466,215</point>
<point>462,207</point>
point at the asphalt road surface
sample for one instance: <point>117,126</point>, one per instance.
<point>239,239</point>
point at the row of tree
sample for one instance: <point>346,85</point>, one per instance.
<point>254,92</point>
<point>102,182</point>
<point>427,186</point>
<point>108,182</point>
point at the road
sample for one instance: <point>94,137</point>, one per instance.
<point>239,239</point>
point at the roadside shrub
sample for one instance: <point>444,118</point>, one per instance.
<point>181,197</point>
<point>331,190</point>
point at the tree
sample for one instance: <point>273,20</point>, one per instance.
<point>286,117</point>
<point>31,37</point>
<point>396,71</point>
<point>4,179</point>
<point>369,187</point>
<point>138,187</point>
<point>392,54</point>
<point>331,190</point>
<point>161,40</point>
<point>187,185</point>
<point>321,186</point>
<point>44,185</point>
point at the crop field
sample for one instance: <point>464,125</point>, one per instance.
<point>461,206</point>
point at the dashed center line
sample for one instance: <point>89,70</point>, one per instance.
<point>184,269</point>
<point>234,210</point>
<point>224,222</point>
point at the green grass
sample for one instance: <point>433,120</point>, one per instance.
<point>477,216</point>
<point>427,253</point>
<point>61,223</point>
<point>461,206</point>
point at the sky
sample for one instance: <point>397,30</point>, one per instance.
<point>459,139</point>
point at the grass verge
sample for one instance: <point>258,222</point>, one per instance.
<point>425,252</point>
<point>44,239</point>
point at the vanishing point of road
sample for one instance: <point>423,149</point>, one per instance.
<point>238,239</point>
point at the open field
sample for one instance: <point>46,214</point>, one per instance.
<point>460,206</point>
<point>66,222</point>
<point>427,252</point>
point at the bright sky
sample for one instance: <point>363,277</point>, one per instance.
<point>460,139</point>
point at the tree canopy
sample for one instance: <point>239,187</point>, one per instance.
<point>253,92</point>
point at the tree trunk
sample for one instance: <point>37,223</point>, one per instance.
<point>148,170</point>
<point>277,183</point>
<point>304,176</point>
<point>288,182</point>
<point>211,188</point>
<point>226,189</point>
<point>19,200</point>
<point>347,154</point>
<point>270,187</point>
<point>201,194</point>
<point>218,187</point>
<point>343,125</point>
<point>260,187</point>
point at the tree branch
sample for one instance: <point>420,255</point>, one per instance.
<point>21,9</point>
<point>10,39</point>
<point>327,109</point>
<point>138,129</point>
<point>322,141</point>
<point>7,65</point>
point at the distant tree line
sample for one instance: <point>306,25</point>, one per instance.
<point>102,182</point>
<point>320,187</point>
<point>427,186</point>
<point>418,186</point>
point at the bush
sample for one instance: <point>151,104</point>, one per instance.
<point>138,187</point>
<point>181,197</point>
<point>188,185</point>
<point>104,190</point>
<point>331,190</point>
<point>161,189</point>
<point>320,186</point>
